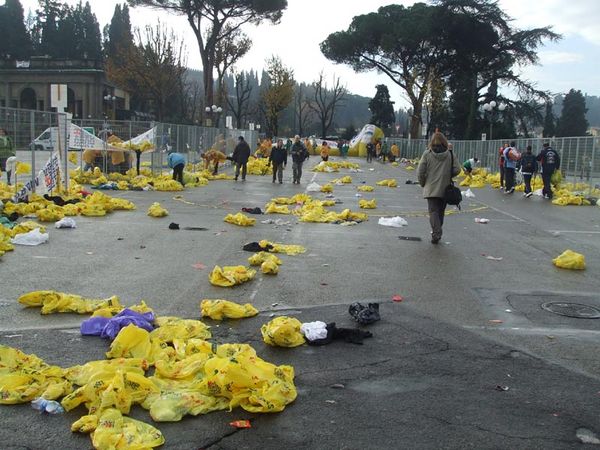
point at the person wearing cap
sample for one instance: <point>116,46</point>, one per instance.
<point>176,161</point>
<point>278,159</point>
<point>550,161</point>
<point>299,154</point>
<point>436,166</point>
<point>240,156</point>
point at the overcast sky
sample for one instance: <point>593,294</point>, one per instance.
<point>571,63</point>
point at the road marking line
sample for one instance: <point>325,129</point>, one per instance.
<point>573,231</point>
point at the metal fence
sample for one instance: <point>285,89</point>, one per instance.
<point>580,156</point>
<point>25,127</point>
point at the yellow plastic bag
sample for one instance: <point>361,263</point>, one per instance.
<point>131,342</point>
<point>59,302</point>
<point>272,208</point>
<point>115,432</point>
<point>170,328</point>
<point>288,249</point>
<point>366,188</point>
<point>388,182</point>
<point>269,267</point>
<point>367,204</point>
<point>156,210</point>
<point>239,219</point>
<point>258,258</point>
<point>230,275</point>
<point>283,332</point>
<point>327,188</point>
<point>570,260</point>
<point>224,309</point>
<point>172,405</point>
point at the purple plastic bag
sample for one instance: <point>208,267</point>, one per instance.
<point>109,328</point>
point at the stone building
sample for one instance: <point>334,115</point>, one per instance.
<point>26,84</point>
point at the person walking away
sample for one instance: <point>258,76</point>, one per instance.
<point>469,165</point>
<point>436,168</point>
<point>528,165</point>
<point>510,165</point>
<point>550,161</point>
<point>6,151</point>
<point>176,161</point>
<point>501,165</point>
<point>288,146</point>
<point>370,152</point>
<point>240,156</point>
<point>278,159</point>
<point>325,151</point>
<point>345,149</point>
<point>299,155</point>
<point>394,152</point>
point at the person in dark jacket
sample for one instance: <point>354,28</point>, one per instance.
<point>370,151</point>
<point>299,154</point>
<point>528,164</point>
<point>550,161</point>
<point>240,156</point>
<point>434,173</point>
<point>6,151</point>
<point>278,159</point>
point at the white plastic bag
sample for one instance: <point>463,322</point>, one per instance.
<point>34,237</point>
<point>313,187</point>
<point>468,193</point>
<point>396,222</point>
<point>314,330</point>
<point>66,222</point>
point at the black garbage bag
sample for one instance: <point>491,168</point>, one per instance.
<point>364,315</point>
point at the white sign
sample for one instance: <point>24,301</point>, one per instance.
<point>80,138</point>
<point>48,177</point>
<point>483,136</point>
<point>58,96</point>
<point>229,122</point>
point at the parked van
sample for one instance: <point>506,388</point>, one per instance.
<point>46,140</point>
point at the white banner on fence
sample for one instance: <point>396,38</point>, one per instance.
<point>47,178</point>
<point>149,136</point>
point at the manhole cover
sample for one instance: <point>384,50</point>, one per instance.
<point>576,310</point>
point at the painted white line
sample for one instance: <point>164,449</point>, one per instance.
<point>537,330</point>
<point>573,231</point>
<point>255,291</point>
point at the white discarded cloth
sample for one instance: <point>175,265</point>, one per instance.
<point>396,222</point>
<point>313,187</point>
<point>468,193</point>
<point>34,237</point>
<point>481,220</point>
<point>314,330</point>
<point>66,222</point>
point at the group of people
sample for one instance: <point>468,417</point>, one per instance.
<point>299,153</point>
<point>381,151</point>
<point>547,161</point>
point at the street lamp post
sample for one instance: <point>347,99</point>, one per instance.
<point>111,98</point>
<point>489,108</point>
<point>212,111</point>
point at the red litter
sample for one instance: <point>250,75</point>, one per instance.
<point>240,424</point>
<point>397,298</point>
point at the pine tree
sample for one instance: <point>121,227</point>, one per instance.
<point>549,122</point>
<point>120,37</point>
<point>572,118</point>
<point>47,28</point>
<point>15,42</point>
<point>382,108</point>
<point>90,46</point>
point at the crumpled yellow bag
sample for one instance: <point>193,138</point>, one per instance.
<point>288,249</point>
<point>225,309</point>
<point>570,260</point>
<point>367,204</point>
<point>258,258</point>
<point>283,332</point>
<point>111,311</point>
<point>239,375</point>
<point>366,188</point>
<point>272,208</point>
<point>327,188</point>
<point>239,219</point>
<point>172,404</point>
<point>115,432</point>
<point>131,342</point>
<point>156,210</point>
<point>51,213</point>
<point>269,267</point>
<point>388,182</point>
<point>81,375</point>
<point>230,275</point>
<point>170,328</point>
<point>58,302</point>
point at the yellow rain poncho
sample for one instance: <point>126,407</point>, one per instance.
<point>366,188</point>
<point>388,182</point>
<point>58,302</point>
<point>570,260</point>
<point>156,210</point>
<point>367,204</point>
<point>258,258</point>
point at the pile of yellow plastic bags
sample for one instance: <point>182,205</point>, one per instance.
<point>239,219</point>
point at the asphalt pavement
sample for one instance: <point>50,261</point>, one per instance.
<point>428,377</point>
